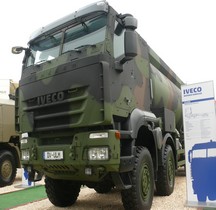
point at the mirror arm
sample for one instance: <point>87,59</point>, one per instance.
<point>27,53</point>
<point>119,66</point>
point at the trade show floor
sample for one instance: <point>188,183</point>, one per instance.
<point>18,197</point>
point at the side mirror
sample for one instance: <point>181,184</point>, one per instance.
<point>130,40</point>
<point>130,45</point>
<point>17,50</point>
<point>130,22</point>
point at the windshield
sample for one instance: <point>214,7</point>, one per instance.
<point>44,49</point>
<point>85,33</point>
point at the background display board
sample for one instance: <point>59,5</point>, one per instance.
<point>199,118</point>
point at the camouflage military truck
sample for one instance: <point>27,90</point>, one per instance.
<point>9,139</point>
<point>98,107</point>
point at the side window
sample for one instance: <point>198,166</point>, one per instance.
<point>118,40</point>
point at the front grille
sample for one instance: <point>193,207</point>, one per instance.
<point>58,114</point>
<point>60,169</point>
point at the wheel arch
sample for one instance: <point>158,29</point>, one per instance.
<point>168,140</point>
<point>143,126</point>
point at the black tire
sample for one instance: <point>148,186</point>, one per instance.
<point>166,173</point>
<point>104,187</point>
<point>140,195</point>
<point>8,168</point>
<point>61,193</point>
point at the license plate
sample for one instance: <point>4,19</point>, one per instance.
<point>53,155</point>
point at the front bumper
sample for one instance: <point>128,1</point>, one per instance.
<point>75,164</point>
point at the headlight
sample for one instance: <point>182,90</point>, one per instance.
<point>98,135</point>
<point>24,137</point>
<point>98,153</point>
<point>25,154</point>
<point>23,141</point>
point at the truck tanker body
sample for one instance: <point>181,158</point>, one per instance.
<point>96,106</point>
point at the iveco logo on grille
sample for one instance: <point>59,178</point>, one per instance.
<point>50,98</point>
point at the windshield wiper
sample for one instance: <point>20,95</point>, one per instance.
<point>75,50</point>
<point>40,62</point>
<point>86,29</point>
<point>85,45</point>
<point>78,49</point>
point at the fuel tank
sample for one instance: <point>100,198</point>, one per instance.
<point>165,88</point>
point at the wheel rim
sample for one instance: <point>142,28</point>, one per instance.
<point>6,170</point>
<point>170,171</point>
<point>145,182</point>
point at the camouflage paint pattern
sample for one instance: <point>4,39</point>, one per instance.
<point>62,101</point>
